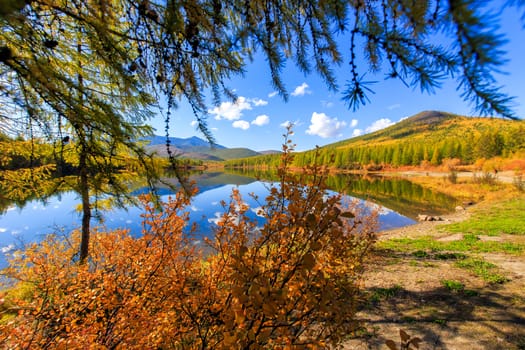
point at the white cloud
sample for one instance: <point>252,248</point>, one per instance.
<point>7,248</point>
<point>394,106</point>
<point>216,219</point>
<point>261,120</point>
<point>234,110</point>
<point>194,123</point>
<point>324,126</point>
<point>287,123</point>
<point>327,104</point>
<point>259,102</point>
<point>241,124</point>
<point>272,94</point>
<point>231,110</point>
<point>353,123</point>
<point>3,229</point>
<point>258,211</point>
<point>301,90</point>
<point>378,208</point>
<point>232,216</point>
<point>357,132</point>
<point>379,124</point>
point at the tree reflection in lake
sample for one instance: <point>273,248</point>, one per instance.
<point>27,219</point>
<point>405,197</point>
<point>400,195</point>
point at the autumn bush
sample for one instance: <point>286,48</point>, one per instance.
<point>290,281</point>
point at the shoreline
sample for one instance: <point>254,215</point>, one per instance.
<point>420,228</point>
<point>428,294</point>
<point>502,176</point>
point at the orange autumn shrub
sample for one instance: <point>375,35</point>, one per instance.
<point>291,281</point>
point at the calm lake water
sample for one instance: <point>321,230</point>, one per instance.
<point>399,202</point>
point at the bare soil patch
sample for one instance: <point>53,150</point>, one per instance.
<point>502,176</point>
<point>403,291</point>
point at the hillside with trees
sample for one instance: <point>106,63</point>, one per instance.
<point>429,138</point>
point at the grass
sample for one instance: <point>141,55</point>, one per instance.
<point>450,256</point>
<point>440,321</point>
<point>502,217</point>
<point>422,254</point>
<point>483,269</point>
<point>453,286</point>
<point>8,310</point>
<point>506,217</point>
<point>458,287</point>
<point>384,293</point>
<point>469,243</point>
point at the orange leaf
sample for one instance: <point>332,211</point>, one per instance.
<point>404,335</point>
<point>308,261</point>
<point>391,345</point>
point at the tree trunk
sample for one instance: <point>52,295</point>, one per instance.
<point>84,173</point>
<point>86,205</point>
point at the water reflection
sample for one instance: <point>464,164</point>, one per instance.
<point>400,195</point>
<point>397,200</point>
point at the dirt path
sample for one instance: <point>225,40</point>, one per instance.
<point>502,176</point>
<point>404,291</point>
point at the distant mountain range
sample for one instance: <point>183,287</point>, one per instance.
<point>429,137</point>
<point>197,148</point>
<point>190,142</point>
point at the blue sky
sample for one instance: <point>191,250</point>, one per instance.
<point>320,117</point>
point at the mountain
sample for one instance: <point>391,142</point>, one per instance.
<point>195,148</point>
<point>427,138</point>
<point>434,138</point>
<point>190,142</point>
<point>271,151</point>
<point>431,127</point>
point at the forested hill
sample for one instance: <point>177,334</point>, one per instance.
<point>427,138</point>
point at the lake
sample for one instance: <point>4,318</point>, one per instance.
<point>399,202</point>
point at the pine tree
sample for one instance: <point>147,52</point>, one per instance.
<point>417,156</point>
<point>489,144</point>
<point>436,156</point>
<point>408,153</point>
<point>397,156</point>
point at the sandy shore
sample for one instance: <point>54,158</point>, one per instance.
<point>502,176</point>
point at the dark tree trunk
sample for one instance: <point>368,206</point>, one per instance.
<point>86,206</point>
